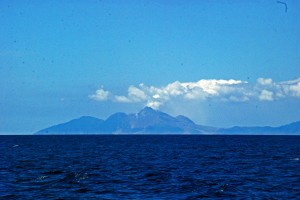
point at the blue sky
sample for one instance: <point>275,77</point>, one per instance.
<point>221,63</point>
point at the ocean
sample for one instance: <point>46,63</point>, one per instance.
<point>149,167</point>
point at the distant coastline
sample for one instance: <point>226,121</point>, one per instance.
<point>150,121</point>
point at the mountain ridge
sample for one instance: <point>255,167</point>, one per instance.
<point>149,121</point>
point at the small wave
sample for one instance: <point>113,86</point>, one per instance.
<point>81,176</point>
<point>40,178</point>
<point>295,159</point>
<point>75,177</point>
<point>82,190</point>
<point>53,172</point>
<point>157,176</point>
<point>8,196</point>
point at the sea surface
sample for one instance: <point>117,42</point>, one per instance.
<point>149,167</point>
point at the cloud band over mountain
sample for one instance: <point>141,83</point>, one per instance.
<point>265,89</point>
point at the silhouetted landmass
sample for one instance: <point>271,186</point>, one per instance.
<point>289,129</point>
<point>83,124</point>
<point>149,121</point>
<point>146,121</point>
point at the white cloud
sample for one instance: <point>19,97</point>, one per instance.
<point>154,104</point>
<point>266,95</point>
<point>196,93</point>
<point>156,96</point>
<point>136,94</point>
<point>122,99</point>
<point>291,87</point>
<point>219,90</point>
<point>295,89</point>
<point>100,95</point>
<point>269,90</point>
<point>264,81</point>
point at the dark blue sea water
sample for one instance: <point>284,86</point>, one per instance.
<point>149,167</point>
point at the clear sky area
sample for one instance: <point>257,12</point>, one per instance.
<point>220,63</point>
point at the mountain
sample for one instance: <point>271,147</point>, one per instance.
<point>81,125</point>
<point>151,121</point>
<point>289,129</point>
<point>293,128</point>
<point>146,121</point>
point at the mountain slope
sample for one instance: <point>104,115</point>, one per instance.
<point>156,122</point>
<point>289,129</point>
<point>81,125</point>
<point>293,128</point>
<point>145,121</point>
